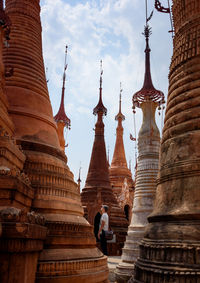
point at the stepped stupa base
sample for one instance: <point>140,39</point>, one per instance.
<point>124,271</point>
<point>71,266</point>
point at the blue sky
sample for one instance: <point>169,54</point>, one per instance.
<point>110,30</point>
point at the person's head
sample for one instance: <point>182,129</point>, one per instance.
<point>104,208</point>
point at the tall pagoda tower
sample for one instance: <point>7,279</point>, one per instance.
<point>120,176</point>
<point>170,249</point>
<point>61,118</point>
<point>70,253</point>
<point>148,99</point>
<point>22,232</point>
<point>97,190</point>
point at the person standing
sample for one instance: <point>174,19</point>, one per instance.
<point>103,227</point>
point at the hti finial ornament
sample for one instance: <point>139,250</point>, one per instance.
<point>120,97</point>
<point>100,107</point>
<point>148,91</point>
<point>120,115</point>
<point>160,8</point>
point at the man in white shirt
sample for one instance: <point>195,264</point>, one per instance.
<point>104,225</point>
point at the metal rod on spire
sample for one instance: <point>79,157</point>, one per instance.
<point>65,67</point>
<point>101,73</point>
<point>100,107</point>
<point>146,11</point>
<point>120,97</point>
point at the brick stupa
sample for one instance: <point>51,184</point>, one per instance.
<point>70,253</point>
<point>119,174</point>
<point>97,190</point>
<point>22,232</point>
<point>170,250</point>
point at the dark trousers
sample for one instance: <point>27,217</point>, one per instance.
<point>103,242</point>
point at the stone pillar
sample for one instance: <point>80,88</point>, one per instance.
<point>147,170</point>
<point>170,250</point>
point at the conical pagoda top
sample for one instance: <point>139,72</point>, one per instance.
<point>120,115</point>
<point>100,107</point>
<point>61,115</point>
<point>119,157</point>
<point>79,176</point>
<point>148,92</point>
<point>98,174</point>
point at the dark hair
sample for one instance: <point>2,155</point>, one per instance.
<point>105,207</point>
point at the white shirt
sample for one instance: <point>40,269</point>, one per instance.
<point>104,217</point>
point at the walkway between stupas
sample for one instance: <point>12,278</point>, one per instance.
<point>113,261</point>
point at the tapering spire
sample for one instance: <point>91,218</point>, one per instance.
<point>120,115</point>
<point>148,92</point>
<point>119,157</point>
<point>100,107</point>
<point>79,175</point>
<point>61,115</point>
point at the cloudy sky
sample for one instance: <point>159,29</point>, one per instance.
<point>110,30</point>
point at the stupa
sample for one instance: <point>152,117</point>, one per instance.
<point>148,99</point>
<point>170,249</point>
<point>22,232</point>
<point>70,253</point>
<point>119,174</point>
<point>97,190</point>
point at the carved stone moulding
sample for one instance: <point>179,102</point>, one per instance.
<point>164,261</point>
<point>10,154</point>
<point>22,236</point>
<point>73,267</point>
<point>15,189</point>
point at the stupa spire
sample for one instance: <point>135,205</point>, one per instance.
<point>118,172</point>
<point>79,180</point>
<point>120,116</point>
<point>98,169</point>
<point>100,107</point>
<point>61,115</point>
<point>148,91</point>
<point>97,190</point>
<point>119,158</point>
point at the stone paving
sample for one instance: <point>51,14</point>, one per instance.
<point>113,261</point>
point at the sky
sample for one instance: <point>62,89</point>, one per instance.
<point>110,30</point>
